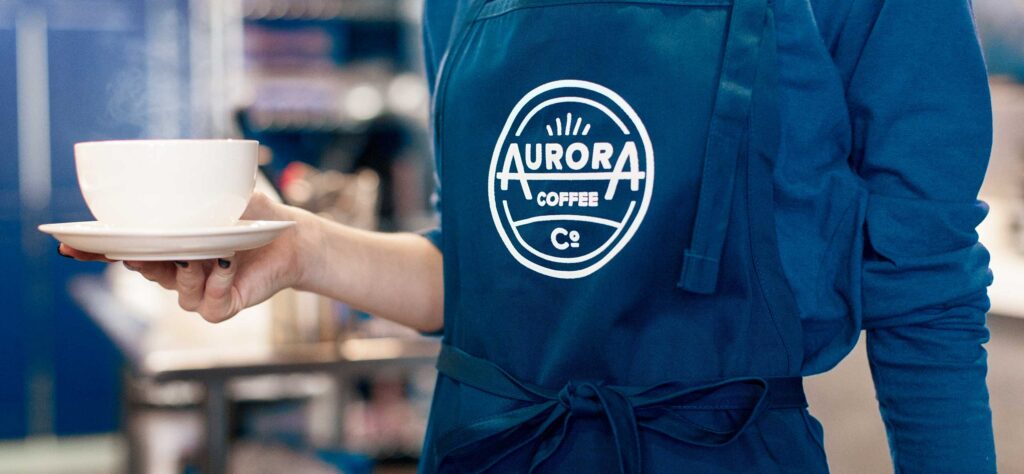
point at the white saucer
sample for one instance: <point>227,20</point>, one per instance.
<point>119,243</point>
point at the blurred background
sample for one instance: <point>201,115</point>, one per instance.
<point>103,374</point>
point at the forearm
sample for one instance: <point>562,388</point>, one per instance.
<point>393,276</point>
<point>930,381</point>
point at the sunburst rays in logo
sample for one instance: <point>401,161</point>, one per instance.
<point>566,132</point>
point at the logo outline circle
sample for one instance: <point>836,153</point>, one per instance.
<point>648,190</point>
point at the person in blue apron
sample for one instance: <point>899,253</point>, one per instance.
<point>659,215</point>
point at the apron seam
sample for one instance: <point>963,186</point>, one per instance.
<point>756,258</point>
<point>804,414</point>
<point>759,263</point>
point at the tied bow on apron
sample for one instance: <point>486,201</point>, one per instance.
<point>544,420</point>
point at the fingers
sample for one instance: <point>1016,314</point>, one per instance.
<point>190,279</point>
<point>76,254</point>
<point>162,273</point>
<point>205,287</point>
<point>220,298</point>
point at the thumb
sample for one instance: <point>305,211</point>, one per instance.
<point>261,207</point>
<point>221,299</point>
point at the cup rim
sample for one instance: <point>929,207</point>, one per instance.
<point>166,141</point>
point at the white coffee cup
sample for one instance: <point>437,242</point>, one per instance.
<point>167,184</point>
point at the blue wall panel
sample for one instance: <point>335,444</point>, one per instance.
<point>8,122</point>
<point>13,417</point>
<point>97,67</point>
<point>13,350</point>
<point>97,91</point>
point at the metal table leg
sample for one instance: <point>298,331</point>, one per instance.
<point>342,399</point>
<point>129,424</point>
<point>216,457</point>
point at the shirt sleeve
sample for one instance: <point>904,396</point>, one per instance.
<point>921,117</point>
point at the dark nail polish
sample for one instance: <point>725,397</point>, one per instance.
<point>62,254</point>
<point>225,264</point>
<point>181,264</point>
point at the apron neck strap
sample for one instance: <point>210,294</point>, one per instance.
<point>726,134</point>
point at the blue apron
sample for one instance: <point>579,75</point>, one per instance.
<point>614,300</point>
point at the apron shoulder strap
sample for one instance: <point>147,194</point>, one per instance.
<point>726,134</point>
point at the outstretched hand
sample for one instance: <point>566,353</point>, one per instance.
<point>219,289</point>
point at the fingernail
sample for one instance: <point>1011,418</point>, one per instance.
<point>126,265</point>
<point>225,264</point>
<point>61,253</point>
<point>181,264</point>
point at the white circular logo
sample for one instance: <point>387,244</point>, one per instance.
<point>571,177</point>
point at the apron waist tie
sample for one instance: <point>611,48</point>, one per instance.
<point>545,419</point>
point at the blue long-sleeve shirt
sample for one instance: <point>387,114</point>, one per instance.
<point>897,91</point>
